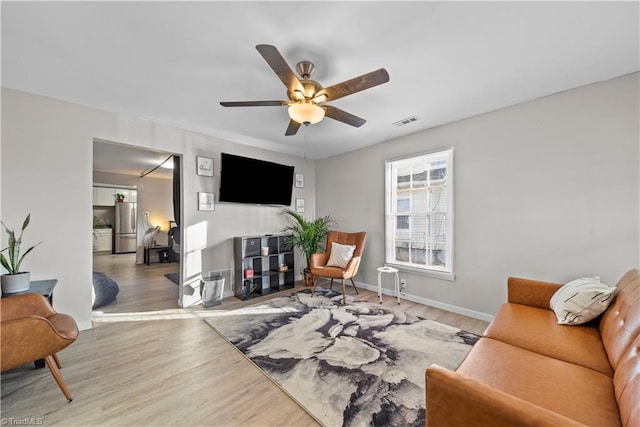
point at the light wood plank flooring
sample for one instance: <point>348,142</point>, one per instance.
<point>162,372</point>
<point>142,287</point>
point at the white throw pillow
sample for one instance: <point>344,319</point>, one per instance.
<point>581,300</point>
<point>340,255</point>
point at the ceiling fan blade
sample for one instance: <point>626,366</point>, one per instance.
<point>292,129</point>
<point>254,103</point>
<point>356,84</point>
<point>280,67</point>
<point>342,116</point>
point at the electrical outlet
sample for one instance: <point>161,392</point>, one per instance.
<point>403,283</point>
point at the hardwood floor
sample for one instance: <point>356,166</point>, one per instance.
<point>172,371</point>
<point>142,287</point>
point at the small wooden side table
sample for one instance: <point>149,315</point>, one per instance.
<point>43,287</point>
<point>161,250</point>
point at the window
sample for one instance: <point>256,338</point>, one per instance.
<point>419,213</point>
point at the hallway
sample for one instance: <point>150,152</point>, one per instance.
<point>142,287</point>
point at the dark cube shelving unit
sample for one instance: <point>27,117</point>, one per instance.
<point>267,277</point>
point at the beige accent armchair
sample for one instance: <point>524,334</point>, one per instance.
<point>319,261</point>
<point>30,330</point>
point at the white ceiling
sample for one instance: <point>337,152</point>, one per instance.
<point>173,62</point>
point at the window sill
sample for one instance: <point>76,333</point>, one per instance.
<point>420,271</point>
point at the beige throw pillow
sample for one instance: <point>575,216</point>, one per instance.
<point>340,255</point>
<point>581,300</point>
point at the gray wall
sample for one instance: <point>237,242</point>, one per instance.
<point>46,167</point>
<point>548,189</point>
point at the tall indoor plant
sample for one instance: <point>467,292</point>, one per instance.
<point>308,236</point>
<point>15,280</point>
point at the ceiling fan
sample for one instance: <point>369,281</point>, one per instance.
<point>307,97</point>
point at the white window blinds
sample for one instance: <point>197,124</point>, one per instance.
<point>419,212</point>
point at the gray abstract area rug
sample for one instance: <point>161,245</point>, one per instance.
<point>357,364</point>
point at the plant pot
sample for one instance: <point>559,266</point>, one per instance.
<point>13,283</point>
<point>308,277</point>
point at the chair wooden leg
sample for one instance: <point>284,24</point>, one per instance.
<point>57,359</point>
<point>344,292</point>
<point>315,283</point>
<point>53,367</point>
<point>354,285</point>
<point>331,285</point>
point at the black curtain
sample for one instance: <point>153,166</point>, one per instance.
<point>176,190</point>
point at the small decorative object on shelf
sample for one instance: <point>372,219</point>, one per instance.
<point>248,289</point>
<point>248,273</point>
<point>120,197</point>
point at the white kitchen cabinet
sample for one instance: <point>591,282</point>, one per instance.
<point>103,241</point>
<point>103,196</point>
<point>106,196</point>
<point>130,196</point>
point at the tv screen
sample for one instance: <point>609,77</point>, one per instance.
<point>245,180</point>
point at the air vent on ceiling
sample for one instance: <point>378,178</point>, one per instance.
<point>406,121</point>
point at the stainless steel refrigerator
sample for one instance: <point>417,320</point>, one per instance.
<point>125,228</point>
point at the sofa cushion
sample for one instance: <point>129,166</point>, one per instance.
<point>581,300</point>
<point>620,324</point>
<point>537,330</point>
<point>626,382</point>
<point>576,392</point>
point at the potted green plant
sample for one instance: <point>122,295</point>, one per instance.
<point>308,236</point>
<point>15,280</point>
<point>120,197</point>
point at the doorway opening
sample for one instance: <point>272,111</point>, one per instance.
<point>136,251</point>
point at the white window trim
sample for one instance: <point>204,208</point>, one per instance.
<point>444,275</point>
<point>425,271</point>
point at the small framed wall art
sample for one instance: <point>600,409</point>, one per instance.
<point>299,180</point>
<point>204,166</point>
<point>299,205</point>
<point>206,201</point>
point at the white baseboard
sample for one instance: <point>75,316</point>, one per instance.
<point>83,326</point>
<point>431,303</point>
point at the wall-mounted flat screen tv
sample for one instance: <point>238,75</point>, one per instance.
<point>246,180</point>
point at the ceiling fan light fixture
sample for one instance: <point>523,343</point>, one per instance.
<point>306,113</point>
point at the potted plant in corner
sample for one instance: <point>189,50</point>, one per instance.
<point>15,280</point>
<point>308,236</point>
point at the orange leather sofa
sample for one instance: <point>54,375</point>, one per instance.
<point>527,370</point>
